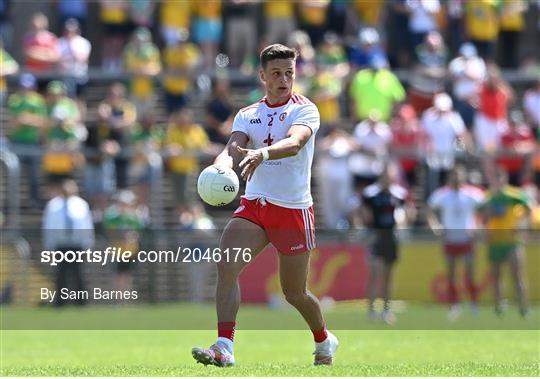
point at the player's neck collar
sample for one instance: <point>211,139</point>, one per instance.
<point>281,103</point>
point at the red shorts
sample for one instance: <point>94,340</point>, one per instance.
<point>458,249</point>
<point>291,231</point>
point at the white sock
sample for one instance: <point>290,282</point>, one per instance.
<point>228,344</point>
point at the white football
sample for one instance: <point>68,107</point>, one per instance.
<point>218,185</point>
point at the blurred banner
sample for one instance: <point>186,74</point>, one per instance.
<point>340,272</point>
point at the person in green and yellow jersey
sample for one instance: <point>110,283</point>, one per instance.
<point>64,134</point>
<point>142,61</point>
<point>27,112</point>
<point>184,142</point>
<point>123,223</point>
<point>505,209</point>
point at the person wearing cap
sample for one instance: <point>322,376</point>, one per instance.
<point>468,71</point>
<point>63,135</point>
<point>28,119</point>
<point>445,132</point>
<point>375,89</point>
<point>74,54</point>
<point>64,113</point>
<point>181,60</point>
<point>143,62</point>
<point>368,49</point>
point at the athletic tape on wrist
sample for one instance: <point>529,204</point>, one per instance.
<point>265,154</point>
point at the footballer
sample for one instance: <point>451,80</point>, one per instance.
<point>273,142</point>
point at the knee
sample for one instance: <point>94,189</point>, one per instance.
<point>295,297</point>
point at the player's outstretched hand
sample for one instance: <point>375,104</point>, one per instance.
<point>252,159</point>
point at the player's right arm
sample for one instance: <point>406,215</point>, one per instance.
<point>230,156</point>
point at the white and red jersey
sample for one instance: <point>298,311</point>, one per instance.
<point>284,182</point>
<point>458,210</point>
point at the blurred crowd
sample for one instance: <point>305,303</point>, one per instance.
<point>418,82</point>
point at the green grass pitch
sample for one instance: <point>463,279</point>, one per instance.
<point>379,351</point>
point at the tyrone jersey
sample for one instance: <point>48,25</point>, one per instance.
<point>286,181</point>
<point>458,210</point>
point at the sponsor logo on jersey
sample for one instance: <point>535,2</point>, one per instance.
<point>297,247</point>
<point>282,116</point>
<point>255,121</point>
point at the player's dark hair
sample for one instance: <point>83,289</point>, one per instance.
<point>276,51</point>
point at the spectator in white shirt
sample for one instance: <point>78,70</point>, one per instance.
<point>335,178</point>
<point>67,226</point>
<point>373,137</point>
<point>468,72</point>
<point>531,105</point>
<point>74,53</point>
<point>446,134</point>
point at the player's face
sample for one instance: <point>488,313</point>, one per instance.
<point>278,78</point>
